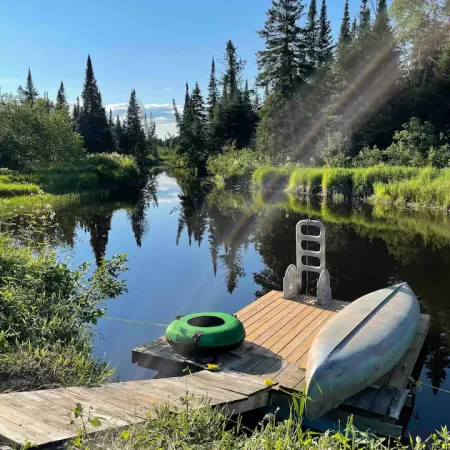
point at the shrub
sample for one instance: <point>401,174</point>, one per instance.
<point>439,157</point>
<point>368,157</point>
<point>31,135</point>
<point>235,165</point>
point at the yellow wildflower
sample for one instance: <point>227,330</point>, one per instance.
<point>269,383</point>
<point>212,367</point>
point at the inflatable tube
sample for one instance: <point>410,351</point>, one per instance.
<point>206,333</point>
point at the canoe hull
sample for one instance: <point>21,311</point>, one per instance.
<point>360,345</point>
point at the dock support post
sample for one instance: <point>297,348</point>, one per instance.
<point>292,282</point>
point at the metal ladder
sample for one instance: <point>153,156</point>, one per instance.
<point>292,282</point>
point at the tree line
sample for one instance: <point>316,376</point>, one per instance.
<point>135,135</point>
<point>380,92</point>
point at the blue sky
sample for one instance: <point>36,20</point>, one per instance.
<point>152,46</point>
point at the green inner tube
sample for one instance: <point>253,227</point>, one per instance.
<point>205,333</point>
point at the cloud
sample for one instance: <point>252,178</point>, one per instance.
<point>163,114</point>
<point>167,89</point>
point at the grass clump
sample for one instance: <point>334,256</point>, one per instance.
<point>272,177</point>
<point>13,189</point>
<point>426,190</point>
<point>337,181</point>
<point>306,180</point>
<point>196,426</point>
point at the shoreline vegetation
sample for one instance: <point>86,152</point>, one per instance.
<point>399,186</point>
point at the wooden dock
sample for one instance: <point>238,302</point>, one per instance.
<point>279,335</point>
<point>43,417</point>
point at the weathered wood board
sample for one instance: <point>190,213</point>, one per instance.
<point>43,417</point>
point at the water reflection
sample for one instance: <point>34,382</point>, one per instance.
<point>247,241</point>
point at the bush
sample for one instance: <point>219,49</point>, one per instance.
<point>368,157</point>
<point>337,181</point>
<point>235,165</point>
<point>336,150</point>
<point>439,157</point>
<point>31,135</point>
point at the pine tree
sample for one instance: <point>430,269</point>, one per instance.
<point>93,123</point>
<point>187,101</point>
<point>364,18</point>
<point>118,131</point>
<point>312,35</point>
<point>29,94</point>
<point>354,31</point>
<point>213,90</point>
<point>345,33</point>
<point>150,135</point>
<point>283,62</point>
<point>76,115</point>
<point>233,70</point>
<point>133,139</point>
<point>61,99</point>
<point>198,105</point>
<point>325,39</point>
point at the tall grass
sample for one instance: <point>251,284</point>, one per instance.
<point>306,180</point>
<point>197,426</point>
<point>426,190</point>
<point>272,177</point>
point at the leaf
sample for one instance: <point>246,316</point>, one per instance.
<point>125,434</point>
<point>95,422</point>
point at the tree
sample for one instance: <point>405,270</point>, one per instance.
<point>233,70</point>
<point>344,32</point>
<point>133,140</point>
<point>61,99</point>
<point>325,38</point>
<point>213,90</point>
<point>282,64</point>
<point>364,19</point>
<point>312,35</point>
<point>93,124</point>
<point>150,135</point>
<point>28,94</point>
<point>118,131</point>
<point>76,115</point>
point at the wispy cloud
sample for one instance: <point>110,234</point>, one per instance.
<point>167,89</point>
<point>162,113</point>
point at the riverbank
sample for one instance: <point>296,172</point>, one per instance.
<point>399,186</point>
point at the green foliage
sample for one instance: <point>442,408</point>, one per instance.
<point>306,180</point>
<point>27,367</point>
<point>196,426</point>
<point>30,135</point>
<point>272,177</point>
<point>61,99</point>
<point>234,164</point>
<point>368,157</point>
<point>29,94</point>
<point>336,150</point>
<point>412,143</point>
<point>11,189</point>
<point>428,189</point>
<point>93,125</point>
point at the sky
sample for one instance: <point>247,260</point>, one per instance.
<point>152,46</point>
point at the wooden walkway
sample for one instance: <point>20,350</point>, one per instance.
<point>279,335</point>
<point>43,417</point>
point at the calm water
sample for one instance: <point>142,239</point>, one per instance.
<point>190,250</point>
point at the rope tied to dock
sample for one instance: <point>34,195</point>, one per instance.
<point>140,322</point>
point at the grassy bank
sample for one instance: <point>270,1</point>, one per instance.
<point>196,427</point>
<point>396,185</point>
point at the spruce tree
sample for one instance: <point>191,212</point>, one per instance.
<point>93,123</point>
<point>110,120</point>
<point>198,105</point>
<point>213,90</point>
<point>76,115</point>
<point>28,94</point>
<point>133,140</point>
<point>233,70</point>
<point>282,64</point>
<point>364,18</point>
<point>312,35</point>
<point>61,99</point>
<point>118,131</point>
<point>354,31</point>
<point>345,33</point>
<point>325,38</point>
<point>187,101</point>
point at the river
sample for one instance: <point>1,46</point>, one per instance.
<point>191,250</point>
